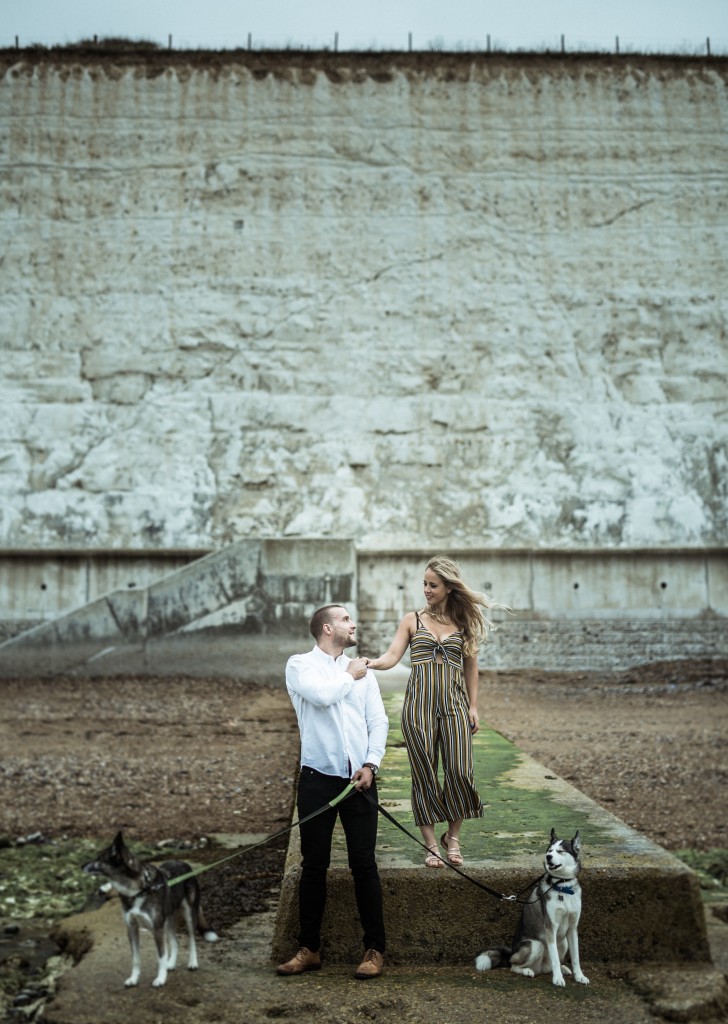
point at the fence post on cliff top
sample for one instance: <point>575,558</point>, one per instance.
<point>487,45</point>
<point>169,41</point>
<point>250,40</point>
<point>707,45</point>
<point>410,42</point>
<point>336,41</point>
<point>616,44</point>
<point>563,44</point>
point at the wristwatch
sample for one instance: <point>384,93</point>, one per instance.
<point>373,768</point>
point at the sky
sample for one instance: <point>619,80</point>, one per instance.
<point>647,25</point>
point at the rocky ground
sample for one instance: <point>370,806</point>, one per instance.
<point>650,744</point>
<point>183,759</point>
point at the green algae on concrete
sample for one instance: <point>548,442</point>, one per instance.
<point>513,815</point>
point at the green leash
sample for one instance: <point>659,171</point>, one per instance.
<point>208,867</point>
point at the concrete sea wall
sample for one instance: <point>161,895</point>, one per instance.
<point>242,611</point>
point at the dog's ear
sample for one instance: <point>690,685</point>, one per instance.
<point>576,844</point>
<point>118,843</point>
<point>553,835</point>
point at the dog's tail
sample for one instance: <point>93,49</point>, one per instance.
<point>203,927</point>
<point>493,958</point>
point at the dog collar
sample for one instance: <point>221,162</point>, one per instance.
<point>567,890</point>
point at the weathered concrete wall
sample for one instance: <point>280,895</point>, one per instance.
<point>427,300</point>
<point>549,585</point>
<point>570,610</point>
<point>254,599</point>
<point>37,586</point>
<point>592,610</point>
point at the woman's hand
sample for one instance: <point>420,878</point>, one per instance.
<point>474,720</point>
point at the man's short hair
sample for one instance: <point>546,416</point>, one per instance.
<point>319,618</point>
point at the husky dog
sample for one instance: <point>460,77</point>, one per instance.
<point>549,920</point>
<point>148,901</point>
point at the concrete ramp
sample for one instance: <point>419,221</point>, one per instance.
<point>264,590</point>
<point>641,904</point>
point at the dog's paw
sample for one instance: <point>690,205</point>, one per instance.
<point>558,979</point>
<point>565,969</point>
<point>211,937</point>
<point>131,982</point>
<point>483,962</point>
<point>158,982</point>
<point>581,978</point>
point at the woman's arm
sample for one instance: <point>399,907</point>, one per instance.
<point>398,646</point>
<point>470,674</point>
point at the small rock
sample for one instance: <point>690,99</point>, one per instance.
<point>33,837</point>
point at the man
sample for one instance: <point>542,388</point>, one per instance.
<point>343,728</point>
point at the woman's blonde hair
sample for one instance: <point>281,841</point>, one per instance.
<point>463,605</point>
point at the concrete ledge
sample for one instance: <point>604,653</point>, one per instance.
<point>638,915</point>
<point>641,904</point>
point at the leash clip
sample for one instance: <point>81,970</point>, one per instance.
<point>507,899</point>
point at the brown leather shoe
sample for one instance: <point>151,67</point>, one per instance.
<point>304,960</point>
<point>371,965</point>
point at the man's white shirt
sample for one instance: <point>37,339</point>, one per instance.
<point>341,720</point>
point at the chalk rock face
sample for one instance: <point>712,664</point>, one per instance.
<point>414,306</point>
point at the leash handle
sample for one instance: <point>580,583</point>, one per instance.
<point>337,799</point>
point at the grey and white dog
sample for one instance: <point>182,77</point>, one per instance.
<point>549,921</point>
<point>148,902</point>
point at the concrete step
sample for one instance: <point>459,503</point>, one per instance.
<point>641,904</point>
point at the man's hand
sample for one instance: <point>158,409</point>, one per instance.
<point>357,667</point>
<point>362,778</point>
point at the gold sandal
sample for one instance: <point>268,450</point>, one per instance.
<point>433,859</point>
<point>454,856</point>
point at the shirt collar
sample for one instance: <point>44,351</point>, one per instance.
<point>328,658</point>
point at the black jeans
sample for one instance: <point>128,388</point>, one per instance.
<point>359,820</point>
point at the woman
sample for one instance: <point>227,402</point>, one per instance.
<point>440,710</point>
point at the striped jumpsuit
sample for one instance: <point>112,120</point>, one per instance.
<point>436,727</point>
